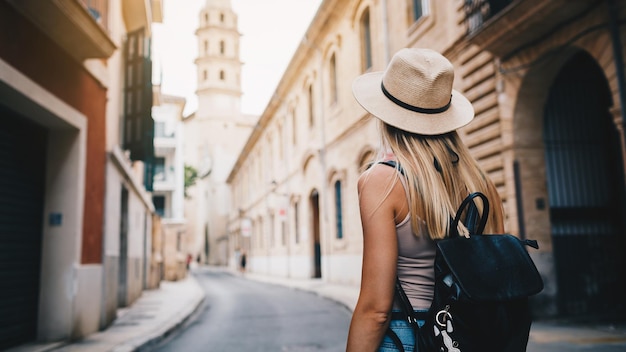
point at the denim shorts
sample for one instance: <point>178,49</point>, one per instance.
<point>405,334</point>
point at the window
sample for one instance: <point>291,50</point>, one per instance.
<point>222,17</point>
<point>333,78</point>
<point>283,229</point>
<point>222,47</point>
<point>366,41</point>
<point>296,223</point>
<point>311,116</point>
<point>338,212</point>
<point>294,127</point>
<point>270,155</point>
<point>205,75</point>
<point>418,9</point>
<point>159,169</point>
<point>159,205</point>
<point>222,75</point>
<point>280,142</point>
<point>206,18</point>
<point>159,129</point>
<point>206,46</point>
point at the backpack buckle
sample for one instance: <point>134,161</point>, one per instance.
<point>443,316</point>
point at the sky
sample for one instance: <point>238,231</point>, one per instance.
<point>271,31</point>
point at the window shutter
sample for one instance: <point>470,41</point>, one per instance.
<point>138,122</point>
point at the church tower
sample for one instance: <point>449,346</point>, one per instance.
<point>218,63</point>
<point>215,133</point>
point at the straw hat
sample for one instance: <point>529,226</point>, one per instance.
<point>415,93</point>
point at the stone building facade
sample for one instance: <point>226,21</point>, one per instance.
<point>547,83</point>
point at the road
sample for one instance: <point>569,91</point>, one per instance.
<point>240,315</point>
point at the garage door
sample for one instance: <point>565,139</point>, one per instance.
<point>22,170</point>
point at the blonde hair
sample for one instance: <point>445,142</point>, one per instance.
<point>440,173</point>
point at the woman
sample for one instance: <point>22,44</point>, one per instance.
<point>404,210</point>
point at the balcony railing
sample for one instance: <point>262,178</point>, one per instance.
<point>478,12</point>
<point>99,10</point>
<point>503,26</point>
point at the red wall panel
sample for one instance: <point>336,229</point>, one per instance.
<point>30,51</point>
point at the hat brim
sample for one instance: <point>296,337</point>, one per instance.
<point>368,93</point>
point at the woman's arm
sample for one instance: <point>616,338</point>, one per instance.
<point>381,200</point>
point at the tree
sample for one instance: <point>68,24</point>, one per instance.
<point>191,176</point>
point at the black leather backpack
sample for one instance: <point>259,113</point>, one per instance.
<point>482,285</point>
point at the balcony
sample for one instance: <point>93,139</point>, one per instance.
<point>502,26</point>
<point>164,180</point>
<point>98,9</point>
<point>164,145</point>
<point>164,141</point>
<point>78,26</point>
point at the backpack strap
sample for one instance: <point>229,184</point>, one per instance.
<point>391,163</point>
<point>472,215</point>
<point>407,314</point>
<point>396,340</point>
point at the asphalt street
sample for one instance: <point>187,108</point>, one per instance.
<point>247,315</point>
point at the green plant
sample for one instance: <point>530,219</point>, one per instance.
<point>191,176</point>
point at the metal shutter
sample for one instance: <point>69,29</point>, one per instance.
<point>22,172</point>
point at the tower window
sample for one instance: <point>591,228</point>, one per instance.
<point>222,17</point>
<point>206,18</point>
<point>222,47</point>
<point>206,46</point>
<point>222,75</point>
<point>205,75</point>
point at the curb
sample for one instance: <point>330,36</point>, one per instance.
<point>145,343</point>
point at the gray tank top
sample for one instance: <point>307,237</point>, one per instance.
<point>416,260</point>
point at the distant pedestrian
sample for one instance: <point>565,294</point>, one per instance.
<point>242,261</point>
<point>189,257</point>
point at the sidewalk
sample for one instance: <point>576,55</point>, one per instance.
<point>157,313</point>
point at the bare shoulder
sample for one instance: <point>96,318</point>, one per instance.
<point>377,176</point>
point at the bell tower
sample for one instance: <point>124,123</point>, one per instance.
<point>218,63</point>
<point>216,133</point>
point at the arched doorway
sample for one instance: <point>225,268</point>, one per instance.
<point>585,180</point>
<point>315,229</point>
